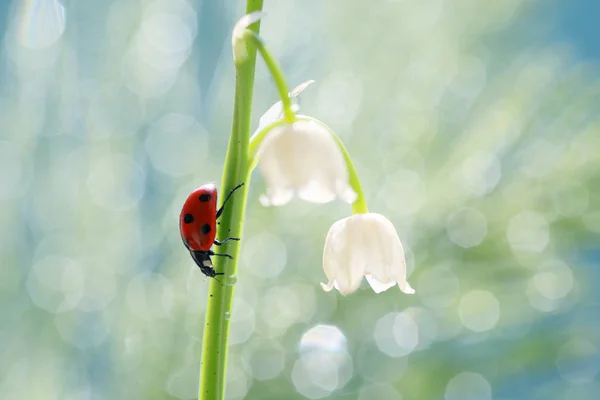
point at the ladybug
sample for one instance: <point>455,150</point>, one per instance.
<point>197,224</point>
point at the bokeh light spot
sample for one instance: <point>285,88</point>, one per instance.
<point>116,182</point>
<point>540,157</point>
<point>183,383</point>
<point>242,321</point>
<point>281,307</point>
<point>316,375</point>
<point>326,338</point>
<point>324,364</point>
<point>99,287</point>
<point>427,326</point>
<point>266,360</point>
<point>150,296</point>
<point>571,200</point>
<point>470,78</point>
<point>554,279</point>
<point>340,96</point>
<point>438,287</point>
<point>264,255</point>
<point>177,145</point>
<point>468,386</point>
<point>160,46</point>
<point>528,232</point>
<point>56,283</point>
<point>82,330</point>
<point>467,227</point>
<point>40,23</point>
<point>409,182</point>
<point>49,211</point>
<point>479,310</point>
<point>481,173</point>
<point>378,367</point>
<point>396,334</point>
<point>237,383</point>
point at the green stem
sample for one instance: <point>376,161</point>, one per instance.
<point>236,170</point>
<point>276,72</point>
<point>360,204</point>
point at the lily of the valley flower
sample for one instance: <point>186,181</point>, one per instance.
<point>302,159</point>
<point>364,245</point>
<point>300,156</point>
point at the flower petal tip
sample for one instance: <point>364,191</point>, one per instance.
<point>264,201</point>
<point>348,195</point>
<point>327,287</point>
<point>406,288</point>
<point>378,286</point>
<point>276,199</point>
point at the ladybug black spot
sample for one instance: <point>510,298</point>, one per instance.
<point>188,218</point>
<point>204,197</point>
<point>205,228</point>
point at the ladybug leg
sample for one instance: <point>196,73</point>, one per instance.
<point>202,259</point>
<point>224,255</point>
<point>210,272</point>
<point>227,198</point>
<point>225,241</point>
<point>212,253</point>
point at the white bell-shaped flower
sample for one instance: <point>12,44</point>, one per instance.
<point>303,159</point>
<point>364,245</point>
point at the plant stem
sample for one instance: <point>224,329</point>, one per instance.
<point>236,170</point>
<point>277,74</point>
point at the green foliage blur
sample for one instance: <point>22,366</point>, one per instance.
<point>472,132</point>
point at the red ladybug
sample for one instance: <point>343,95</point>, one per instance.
<point>197,223</point>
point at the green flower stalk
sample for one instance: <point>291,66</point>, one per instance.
<point>236,170</point>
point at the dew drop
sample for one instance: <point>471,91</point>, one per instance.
<point>227,316</point>
<point>231,280</point>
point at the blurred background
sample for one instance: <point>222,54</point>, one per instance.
<point>474,127</point>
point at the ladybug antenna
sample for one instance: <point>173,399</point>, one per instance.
<point>218,280</point>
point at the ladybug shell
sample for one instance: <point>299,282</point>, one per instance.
<point>197,221</point>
